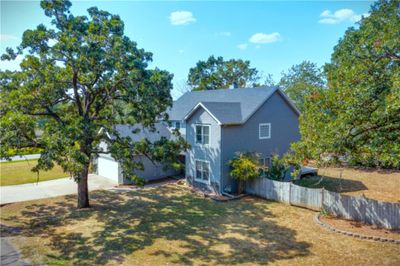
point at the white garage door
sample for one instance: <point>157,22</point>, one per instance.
<point>108,168</point>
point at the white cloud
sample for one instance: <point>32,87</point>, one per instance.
<point>328,21</point>
<point>181,17</point>
<point>325,13</point>
<point>224,33</point>
<point>265,38</point>
<point>181,51</point>
<point>7,37</point>
<point>345,14</point>
<point>242,46</point>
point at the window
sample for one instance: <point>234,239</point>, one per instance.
<point>264,131</point>
<point>202,171</point>
<point>177,125</point>
<point>202,134</point>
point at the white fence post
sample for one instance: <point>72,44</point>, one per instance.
<point>322,198</point>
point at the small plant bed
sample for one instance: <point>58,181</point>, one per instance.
<point>358,229</point>
<point>207,193</point>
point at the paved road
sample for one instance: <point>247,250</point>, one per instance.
<point>22,157</point>
<point>9,255</point>
<point>51,188</point>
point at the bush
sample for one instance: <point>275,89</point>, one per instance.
<point>244,167</point>
<point>22,151</point>
<point>278,168</point>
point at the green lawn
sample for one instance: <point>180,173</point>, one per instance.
<point>168,225</point>
<point>19,172</point>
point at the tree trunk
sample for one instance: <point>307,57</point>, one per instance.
<point>240,187</point>
<point>83,192</point>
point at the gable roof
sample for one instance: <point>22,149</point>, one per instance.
<point>227,106</point>
<point>137,132</point>
<point>223,112</point>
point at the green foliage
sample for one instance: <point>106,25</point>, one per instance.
<point>244,167</point>
<point>357,119</point>
<point>77,77</point>
<point>216,73</point>
<point>268,81</point>
<point>278,168</point>
<point>22,151</point>
<point>300,81</point>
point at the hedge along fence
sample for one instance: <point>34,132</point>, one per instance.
<point>358,208</point>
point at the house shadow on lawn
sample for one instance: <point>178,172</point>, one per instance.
<point>200,230</point>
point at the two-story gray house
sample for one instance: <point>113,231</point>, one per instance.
<point>220,123</point>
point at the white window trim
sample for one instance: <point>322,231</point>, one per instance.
<point>269,130</point>
<point>209,134</point>
<point>209,172</point>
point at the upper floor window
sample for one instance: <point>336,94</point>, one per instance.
<point>264,131</point>
<point>177,125</point>
<point>202,134</point>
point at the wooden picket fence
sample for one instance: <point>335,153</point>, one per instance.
<point>358,208</point>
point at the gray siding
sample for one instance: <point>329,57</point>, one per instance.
<point>211,152</point>
<point>182,130</point>
<point>152,170</point>
<point>245,138</point>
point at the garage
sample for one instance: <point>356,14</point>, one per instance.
<point>108,168</point>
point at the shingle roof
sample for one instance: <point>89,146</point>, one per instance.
<point>230,106</point>
<point>161,130</point>
<point>225,113</point>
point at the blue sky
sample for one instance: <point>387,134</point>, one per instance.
<point>272,35</point>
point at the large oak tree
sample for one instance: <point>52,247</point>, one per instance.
<point>77,76</point>
<point>358,115</point>
<point>300,81</point>
<point>217,73</point>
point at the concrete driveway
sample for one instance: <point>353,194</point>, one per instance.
<point>51,188</point>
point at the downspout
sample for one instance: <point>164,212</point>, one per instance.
<point>221,180</point>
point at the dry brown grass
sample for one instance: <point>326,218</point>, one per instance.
<point>381,185</point>
<point>168,225</point>
<point>360,228</point>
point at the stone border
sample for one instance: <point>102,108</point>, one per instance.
<point>352,234</point>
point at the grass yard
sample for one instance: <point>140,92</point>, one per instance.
<point>19,172</point>
<point>170,226</point>
<point>381,185</point>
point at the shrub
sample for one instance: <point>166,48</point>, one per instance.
<point>22,151</point>
<point>244,167</point>
<point>278,168</point>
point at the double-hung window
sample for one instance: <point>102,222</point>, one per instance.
<point>264,131</point>
<point>202,171</point>
<point>202,134</point>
